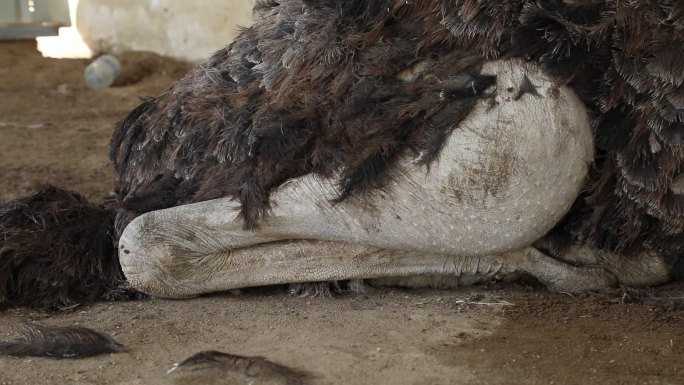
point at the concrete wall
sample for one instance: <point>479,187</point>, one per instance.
<point>183,29</point>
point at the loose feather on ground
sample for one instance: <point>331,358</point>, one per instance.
<point>223,368</point>
<point>59,342</point>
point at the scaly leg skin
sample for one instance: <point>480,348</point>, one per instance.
<point>645,268</point>
<point>562,277</point>
<point>480,201</point>
<point>556,275</point>
<point>307,261</point>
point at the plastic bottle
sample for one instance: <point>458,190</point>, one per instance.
<point>102,72</point>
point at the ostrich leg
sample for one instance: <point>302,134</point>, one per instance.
<point>644,268</point>
<point>504,178</point>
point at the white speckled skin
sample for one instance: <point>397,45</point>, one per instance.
<point>505,177</point>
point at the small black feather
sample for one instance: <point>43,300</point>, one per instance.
<point>59,342</point>
<point>256,369</point>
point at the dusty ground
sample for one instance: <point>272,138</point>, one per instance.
<point>54,130</point>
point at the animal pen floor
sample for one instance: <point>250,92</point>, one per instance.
<point>55,131</point>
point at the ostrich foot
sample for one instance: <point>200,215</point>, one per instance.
<point>555,275</point>
<point>645,268</point>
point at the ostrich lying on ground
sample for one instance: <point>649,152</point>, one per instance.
<point>458,140</point>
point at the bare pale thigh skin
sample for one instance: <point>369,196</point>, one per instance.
<point>505,177</point>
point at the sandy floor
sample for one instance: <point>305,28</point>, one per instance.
<point>53,130</point>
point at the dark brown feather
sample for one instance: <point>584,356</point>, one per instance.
<point>217,365</point>
<point>59,342</point>
<point>56,250</point>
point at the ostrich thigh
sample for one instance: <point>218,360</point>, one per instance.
<point>504,178</point>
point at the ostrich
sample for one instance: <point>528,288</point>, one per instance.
<point>453,141</point>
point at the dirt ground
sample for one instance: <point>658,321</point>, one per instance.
<point>53,130</point>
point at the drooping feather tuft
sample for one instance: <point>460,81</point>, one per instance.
<point>56,250</point>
